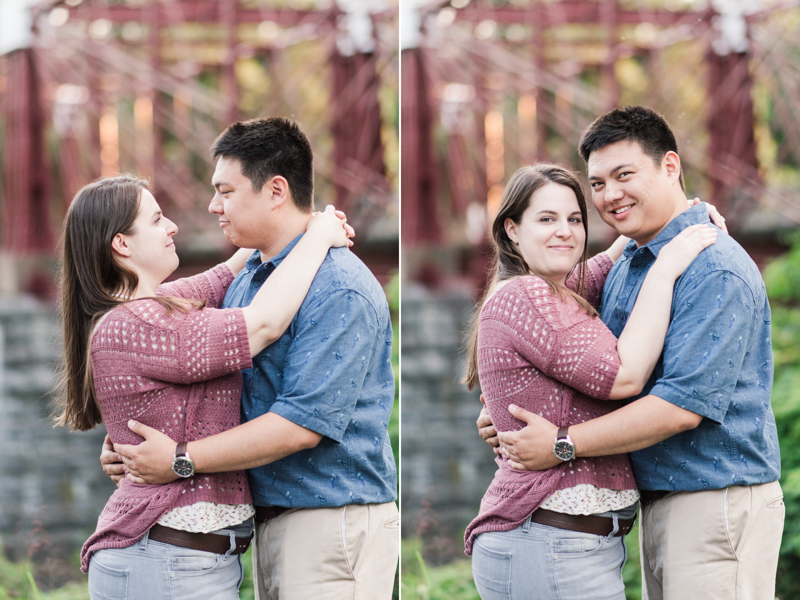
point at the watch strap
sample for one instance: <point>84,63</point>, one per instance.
<point>181,449</point>
<point>562,433</point>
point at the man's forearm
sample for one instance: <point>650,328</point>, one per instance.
<point>261,441</point>
<point>638,425</point>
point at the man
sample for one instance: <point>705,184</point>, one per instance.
<point>702,435</point>
<point>316,403</point>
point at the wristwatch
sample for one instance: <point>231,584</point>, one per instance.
<point>182,465</point>
<point>563,447</point>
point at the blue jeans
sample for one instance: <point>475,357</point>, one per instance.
<point>539,562</point>
<point>151,570</point>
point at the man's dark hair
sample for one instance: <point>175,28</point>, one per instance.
<point>631,124</point>
<point>269,147</point>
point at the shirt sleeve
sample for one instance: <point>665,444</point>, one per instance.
<point>182,348</point>
<point>565,343</point>
<point>210,286</point>
<point>706,344</point>
<point>326,365</point>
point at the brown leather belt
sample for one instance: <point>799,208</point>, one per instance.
<point>650,496</point>
<point>267,513</point>
<point>208,542</point>
<point>582,523</point>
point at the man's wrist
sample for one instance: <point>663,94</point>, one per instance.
<point>182,464</point>
<point>563,446</point>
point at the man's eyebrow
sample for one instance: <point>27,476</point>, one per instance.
<point>219,184</point>
<point>613,172</point>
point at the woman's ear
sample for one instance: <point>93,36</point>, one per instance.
<point>120,245</point>
<point>511,230</point>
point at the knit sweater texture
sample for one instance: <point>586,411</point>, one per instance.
<point>180,374</point>
<point>547,356</point>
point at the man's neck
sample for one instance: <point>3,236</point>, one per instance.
<point>293,224</point>
<point>681,206</point>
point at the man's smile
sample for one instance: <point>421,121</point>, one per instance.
<point>621,210</point>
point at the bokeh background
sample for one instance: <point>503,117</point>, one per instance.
<point>490,85</point>
<point>90,88</point>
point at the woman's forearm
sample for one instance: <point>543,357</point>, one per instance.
<point>642,340</point>
<point>281,295</point>
<point>615,250</point>
<point>237,261</point>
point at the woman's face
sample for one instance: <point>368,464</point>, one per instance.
<point>152,249</point>
<point>550,233</point>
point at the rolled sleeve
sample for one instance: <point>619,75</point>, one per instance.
<point>326,365</point>
<point>706,343</point>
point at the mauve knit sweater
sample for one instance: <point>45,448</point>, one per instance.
<point>180,374</point>
<point>551,358</point>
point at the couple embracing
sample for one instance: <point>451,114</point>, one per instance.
<point>673,322</point>
<point>293,338</point>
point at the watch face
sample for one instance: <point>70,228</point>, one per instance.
<point>564,450</point>
<point>183,467</point>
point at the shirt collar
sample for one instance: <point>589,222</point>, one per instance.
<point>254,262</point>
<point>696,214</point>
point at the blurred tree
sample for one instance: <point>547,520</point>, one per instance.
<point>783,285</point>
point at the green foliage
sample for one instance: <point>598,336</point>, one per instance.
<point>421,582</point>
<point>632,572</point>
<point>782,276</point>
<point>783,285</point>
<point>17,582</point>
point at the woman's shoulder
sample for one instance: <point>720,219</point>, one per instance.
<point>528,294</point>
<point>144,311</point>
<point>523,287</point>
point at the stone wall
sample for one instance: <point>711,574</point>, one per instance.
<point>445,466</point>
<point>51,484</point>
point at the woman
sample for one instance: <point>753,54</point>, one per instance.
<point>169,357</point>
<point>537,343</point>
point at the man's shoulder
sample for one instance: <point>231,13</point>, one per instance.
<point>343,271</point>
<point>727,256</point>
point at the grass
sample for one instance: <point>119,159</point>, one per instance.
<point>17,582</point>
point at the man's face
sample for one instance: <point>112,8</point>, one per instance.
<point>244,214</point>
<point>630,191</point>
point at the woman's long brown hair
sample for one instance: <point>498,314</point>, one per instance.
<point>507,261</point>
<point>92,282</point>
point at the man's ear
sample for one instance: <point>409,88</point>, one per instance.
<point>672,165</point>
<point>276,191</point>
<point>120,245</point>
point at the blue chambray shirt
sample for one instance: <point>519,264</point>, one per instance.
<point>330,372</point>
<point>717,362</point>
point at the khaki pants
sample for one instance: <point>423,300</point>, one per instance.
<point>715,544</point>
<point>328,553</point>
